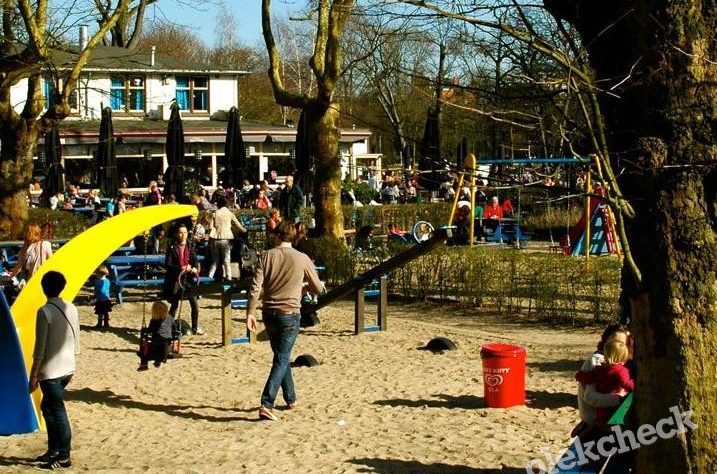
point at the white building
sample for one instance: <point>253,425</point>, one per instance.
<point>139,88</point>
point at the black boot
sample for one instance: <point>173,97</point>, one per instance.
<point>99,322</point>
<point>107,320</point>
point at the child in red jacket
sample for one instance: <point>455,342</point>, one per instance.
<point>611,377</point>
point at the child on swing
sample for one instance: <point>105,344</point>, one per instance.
<point>160,337</point>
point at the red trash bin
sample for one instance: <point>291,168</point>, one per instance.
<point>503,375</point>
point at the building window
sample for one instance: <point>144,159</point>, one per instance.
<point>51,93</point>
<point>193,93</point>
<point>127,93</point>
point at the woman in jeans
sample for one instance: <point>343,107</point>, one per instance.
<point>222,238</point>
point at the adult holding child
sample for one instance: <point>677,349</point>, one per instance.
<point>280,275</point>
<point>590,399</point>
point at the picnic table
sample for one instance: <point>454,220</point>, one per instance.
<point>128,271</point>
<point>10,250</point>
<point>508,231</point>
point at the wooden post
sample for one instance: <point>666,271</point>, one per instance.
<point>226,318</point>
<point>586,237</point>
<point>358,311</point>
<point>382,303</point>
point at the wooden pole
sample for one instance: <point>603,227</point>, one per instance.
<point>470,164</point>
<point>455,199</point>
<point>359,305</point>
<point>382,303</point>
<point>226,318</point>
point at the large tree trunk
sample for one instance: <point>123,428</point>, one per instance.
<point>324,133</point>
<point>16,151</point>
<point>662,127</point>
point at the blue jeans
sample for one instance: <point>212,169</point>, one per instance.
<point>282,330</point>
<point>59,434</point>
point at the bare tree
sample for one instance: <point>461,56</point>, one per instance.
<point>25,63</point>
<point>646,84</point>
<point>321,109</point>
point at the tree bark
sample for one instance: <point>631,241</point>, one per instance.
<point>662,130</point>
<point>18,148</point>
<point>324,133</point>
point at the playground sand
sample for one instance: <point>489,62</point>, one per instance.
<point>375,404</point>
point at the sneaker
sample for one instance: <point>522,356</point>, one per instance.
<point>198,332</point>
<point>266,413</point>
<point>45,458</point>
<point>57,463</point>
<point>142,368</point>
<point>291,406</point>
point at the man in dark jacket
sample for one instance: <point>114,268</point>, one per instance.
<point>181,258</point>
<point>290,201</point>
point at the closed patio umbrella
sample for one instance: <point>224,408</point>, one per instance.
<point>55,177</point>
<point>234,162</point>
<point>107,177</point>
<point>174,175</point>
<point>430,163</point>
<point>461,153</point>
<point>304,161</point>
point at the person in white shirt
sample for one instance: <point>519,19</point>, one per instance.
<point>57,341</point>
<point>222,238</point>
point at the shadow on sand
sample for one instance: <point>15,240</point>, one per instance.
<point>400,466</point>
<point>540,400</point>
<point>113,400</point>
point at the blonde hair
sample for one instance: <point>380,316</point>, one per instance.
<point>32,234</point>
<point>615,352</point>
<point>160,310</point>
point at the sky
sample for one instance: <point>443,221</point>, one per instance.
<point>201,18</point>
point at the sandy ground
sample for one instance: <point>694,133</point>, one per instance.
<point>375,404</point>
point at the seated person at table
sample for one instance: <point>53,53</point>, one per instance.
<point>492,214</point>
<point>160,337</point>
<point>507,207</point>
<point>395,233</point>
<point>363,238</point>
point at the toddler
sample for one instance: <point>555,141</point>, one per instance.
<point>103,303</point>
<point>610,377</point>
<point>158,337</point>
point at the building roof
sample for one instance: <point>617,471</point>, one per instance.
<point>115,59</point>
<point>211,131</point>
<point>110,58</point>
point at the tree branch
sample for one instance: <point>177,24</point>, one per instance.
<point>281,95</point>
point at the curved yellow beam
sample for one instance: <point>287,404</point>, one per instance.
<point>78,259</point>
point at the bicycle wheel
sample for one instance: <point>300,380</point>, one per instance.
<point>422,231</point>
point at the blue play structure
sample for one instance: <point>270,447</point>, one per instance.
<point>17,414</point>
<point>602,237</point>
